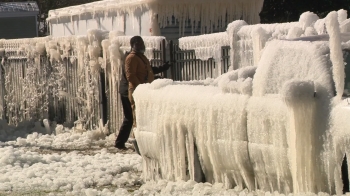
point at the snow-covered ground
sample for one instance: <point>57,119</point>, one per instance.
<point>73,162</point>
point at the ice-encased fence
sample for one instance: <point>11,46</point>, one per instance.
<point>202,56</point>
<point>189,67</point>
<point>50,78</point>
<point>69,80</point>
<point>248,41</point>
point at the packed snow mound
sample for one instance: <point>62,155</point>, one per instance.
<point>238,81</point>
<point>297,90</point>
<point>160,83</point>
<point>193,128</point>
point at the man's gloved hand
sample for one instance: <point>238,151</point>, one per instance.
<point>168,64</point>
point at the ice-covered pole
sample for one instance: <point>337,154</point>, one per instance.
<point>332,25</point>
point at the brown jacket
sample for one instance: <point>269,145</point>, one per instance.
<point>138,70</point>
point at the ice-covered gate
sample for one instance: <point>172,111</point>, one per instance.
<point>189,67</point>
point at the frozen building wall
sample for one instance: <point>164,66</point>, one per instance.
<point>147,16</point>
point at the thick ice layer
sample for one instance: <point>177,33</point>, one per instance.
<point>68,78</point>
<point>215,12</point>
<point>281,125</point>
<point>238,81</point>
<point>336,53</point>
<point>206,46</point>
<point>293,60</point>
<point>208,126</point>
<point>339,146</point>
<point>296,70</point>
<point>207,40</point>
<point>268,125</point>
<point>248,41</point>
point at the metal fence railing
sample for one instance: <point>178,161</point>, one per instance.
<point>187,67</point>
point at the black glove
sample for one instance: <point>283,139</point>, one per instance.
<point>168,64</point>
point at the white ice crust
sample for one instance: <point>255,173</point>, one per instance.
<point>274,124</point>
<point>209,13</point>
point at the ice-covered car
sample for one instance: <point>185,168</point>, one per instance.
<point>280,126</point>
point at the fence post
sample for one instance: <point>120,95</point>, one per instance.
<point>171,53</point>
<point>2,91</point>
<point>103,98</point>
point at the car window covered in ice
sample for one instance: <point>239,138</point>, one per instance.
<point>346,54</point>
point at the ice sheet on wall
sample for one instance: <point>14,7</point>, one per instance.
<point>210,14</point>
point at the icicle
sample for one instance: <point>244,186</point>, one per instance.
<point>154,25</point>
<point>105,45</point>
<point>299,97</point>
<point>259,40</point>
<point>94,50</point>
<point>2,52</point>
<point>336,54</point>
<point>40,48</point>
<point>232,30</point>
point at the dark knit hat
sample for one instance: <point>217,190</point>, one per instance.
<point>134,39</point>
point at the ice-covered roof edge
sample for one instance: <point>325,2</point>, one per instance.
<point>209,13</point>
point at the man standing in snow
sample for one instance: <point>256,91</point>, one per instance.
<point>136,70</point>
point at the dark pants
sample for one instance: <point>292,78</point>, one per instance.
<point>126,127</point>
<point>345,175</point>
